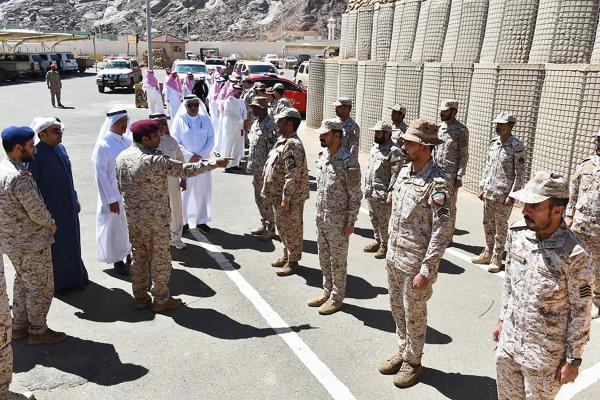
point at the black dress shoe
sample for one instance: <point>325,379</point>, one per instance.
<point>205,228</point>
<point>121,268</point>
<point>230,170</point>
<point>186,228</point>
<point>128,259</point>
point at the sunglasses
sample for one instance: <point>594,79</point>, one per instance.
<point>193,105</point>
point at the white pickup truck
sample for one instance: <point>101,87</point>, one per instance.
<point>16,65</point>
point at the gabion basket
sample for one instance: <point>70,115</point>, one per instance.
<point>314,109</point>
<point>381,37</point>
<point>406,18</point>
<point>347,82</point>
<point>351,36</point>
<point>344,36</point>
<point>466,28</point>
<point>364,28</point>
<point>402,85</point>
<point>431,31</point>
<point>330,94</point>
<point>369,99</point>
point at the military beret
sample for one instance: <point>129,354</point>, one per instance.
<point>145,127</point>
<point>17,134</point>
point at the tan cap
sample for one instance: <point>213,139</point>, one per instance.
<point>289,113</point>
<point>331,124</point>
<point>343,101</point>
<point>543,186</point>
<point>260,102</point>
<point>278,86</point>
<point>383,126</point>
<point>506,118</point>
<point>270,91</point>
<point>398,107</point>
<point>449,104</point>
<point>260,85</point>
<point>423,132</point>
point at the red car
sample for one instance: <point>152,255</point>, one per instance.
<point>295,93</point>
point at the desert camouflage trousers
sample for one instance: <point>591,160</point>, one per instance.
<point>6,356</point>
<point>517,382</point>
<point>495,225</point>
<point>264,208</point>
<point>379,213</point>
<point>333,257</point>
<point>290,226</point>
<point>593,245</point>
<point>55,94</point>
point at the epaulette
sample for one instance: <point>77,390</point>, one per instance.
<point>292,141</point>
<point>518,225</point>
<point>439,183</point>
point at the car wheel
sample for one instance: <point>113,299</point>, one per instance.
<point>101,89</point>
<point>3,75</point>
<point>131,83</point>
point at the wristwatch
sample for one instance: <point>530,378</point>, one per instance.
<point>575,362</point>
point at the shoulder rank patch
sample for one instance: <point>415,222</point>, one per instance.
<point>290,163</point>
<point>439,198</point>
<point>353,177</point>
<point>291,141</point>
<point>443,213</point>
<point>585,291</point>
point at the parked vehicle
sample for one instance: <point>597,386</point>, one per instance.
<point>290,62</point>
<point>272,58</point>
<point>209,53</point>
<point>295,93</point>
<point>212,63</point>
<point>16,65</point>
<point>67,61</point>
<point>302,75</point>
<point>183,67</point>
<point>119,72</point>
<point>49,59</point>
<point>84,62</point>
<point>190,55</point>
<point>256,67</point>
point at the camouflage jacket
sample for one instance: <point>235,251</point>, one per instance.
<point>385,161</point>
<point>338,187</point>
<point>53,80</point>
<point>399,130</point>
<point>280,105</point>
<point>452,155</point>
<point>285,173</point>
<point>584,201</point>
<point>420,227</point>
<point>546,299</point>
<point>142,175</point>
<point>262,137</point>
<point>351,140</point>
<point>24,219</point>
<point>504,169</point>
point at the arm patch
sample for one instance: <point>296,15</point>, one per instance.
<point>290,163</point>
<point>585,291</point>
<point>353,177</point>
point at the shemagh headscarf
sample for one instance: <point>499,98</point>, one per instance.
<point>112,116</point>
<point>174,83</point>
<point>190,82</point>
<point>150,80</point>
<point>182,111</point>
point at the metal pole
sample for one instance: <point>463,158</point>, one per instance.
<point>149,35</point>
<point>94,43</point>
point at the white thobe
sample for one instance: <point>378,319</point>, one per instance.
<point>170,147</point>
<point>155,102</point>
<point>232,125</point>
<point>195,136</point>
<point>173,99</point>
<point>186,91</point>
<point>112,235</point>
<point>215,118</point>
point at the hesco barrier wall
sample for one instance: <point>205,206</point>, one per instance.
<point>495,88</point>
<point>314,109</point>
<point>568,116</point>
<point>381,38</point>
<point>509,31</point>
<point>406,18</point>
<point>445,81</point>
<point>330,93</point>
<point>351,40</point>
<point>344,36</point>
<point>364,28</point>
<point>564,31</point>
<point>595,59</point>
<point>466,28</point>
<point>431,31</point>
<point>402,85</point>
<point>347,82</point>
<point>369,99</point>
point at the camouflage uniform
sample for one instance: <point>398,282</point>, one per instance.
<point>546,304</point>
<point>6,355</point>
<point>262,137</point>
<point>452,156</point>
<point>281,105</point>
<point>584,207</point>
<point>351,139</point>
<point>286,178</point>
<point>398,130</point>
<point>142,174</point>
<point>504,172</point>
<point>385,161</point>
<point>55,85</point>
<point>420,231</point>
<point>25,224</point>
<point>338,203</point>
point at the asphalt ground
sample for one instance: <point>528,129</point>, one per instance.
<point>246,333</point>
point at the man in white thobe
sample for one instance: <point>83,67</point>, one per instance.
<point>173,93</point>
<point>112,235</point>
<point>152,89</point>
<point>195,135</point>
<point>234,114</point>
<point>215,110</point>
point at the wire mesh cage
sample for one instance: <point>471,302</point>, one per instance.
<point>466,28</point>
<point>344,37</point>
<point>431,31</point>
<point>351,36</point>
<point>381,37</point>
<point>369,98</point>
<point>443,81</point>
<point>347,82</point>
<point>402,85</point>
<point>406,18</point>
<point>330,93</point>
<point>314,109</point>
<point>364,28</point>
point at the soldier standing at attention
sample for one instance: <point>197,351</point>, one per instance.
<point>142,172</point>
<point>385,161</point>
<point>547,297</point>
<point>286,188</point>
<point>398,124</point>
<point>504,172</point>
<point>26,234</point>
<point>262,137</point>
<point>338,203</point>
<point>351,142</point>
<point>55,85</point>
<point>452,154</point>
<point>281,102</point>
<point>420,230</point>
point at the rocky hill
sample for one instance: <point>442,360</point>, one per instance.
<point>202,19</point>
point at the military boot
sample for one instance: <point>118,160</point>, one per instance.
<point>19,333</point>
<point>266,235</point>
<point>318,301</point>
<point>330,306</point>
<point>289,268</point>
<point>371,248</point>
<point>20,396</point>
<point>142,302</point>
<point>495,264</point>
<point>381,253</point>
<point>170,304</point>
<point>484,258</point>
<point>258,231</point>
<point>48,337</point>
<point>392,365</point>
<point>408,375</point>
<point>280,262</point>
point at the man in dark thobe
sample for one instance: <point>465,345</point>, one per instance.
<point>51,170</point>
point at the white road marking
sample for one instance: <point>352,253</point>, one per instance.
<point>585,379</point>
<point>330,382</point>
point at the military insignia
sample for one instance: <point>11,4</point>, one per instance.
<point>585,291</point>
<point>439,198</point>
<point>443,213</point>
<point>353,177</point>
<point>290,163</point>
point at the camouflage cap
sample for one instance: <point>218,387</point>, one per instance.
<point>270,91</point>
<point>382,126</point>
<point>260,102</point>
<point>260,85</point>
<point>343,101</point>
<point>423,132</point>
<point>278,86</point>
<point>506,118</point>
<point>331,124</point>
<point>289,113</point>
<point>399,108</point>
<point>543,186</point>
<point>449,104</point>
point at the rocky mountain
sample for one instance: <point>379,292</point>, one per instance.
<point>198,19</point>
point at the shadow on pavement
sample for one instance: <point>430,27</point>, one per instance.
<point>446,267</point>
<point>366,233</point>
<point>94,361</point>
<point>458,386</point>
<point>197,257</point>
<point>231,241</point>
<point>467,247</point>
<point>310,246</point>
<point>356,287</point>
<point>460,232</point>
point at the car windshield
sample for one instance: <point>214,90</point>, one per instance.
<point>214,62</point>
<point>262,69</point>
<point>70,56</point>
<point>193,68</point>
<point>117,64</point>
<point>54,57</point>
<point>36,57</point>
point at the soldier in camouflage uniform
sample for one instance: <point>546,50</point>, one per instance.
<point>385,160</point>
<point>278,102</point>
<point>351,142</point>
<point>286,188</point>
<point>398,124</point>
<point>338,203</point>
<point>583,211</point>
<point>54,85</point>
<point>420,230</point>
<point>453,154</point>
<point>262,137</point>
<point>547,297</point>
<point>26,234</point>
<point>504,172</point>
<point>142,172</point>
